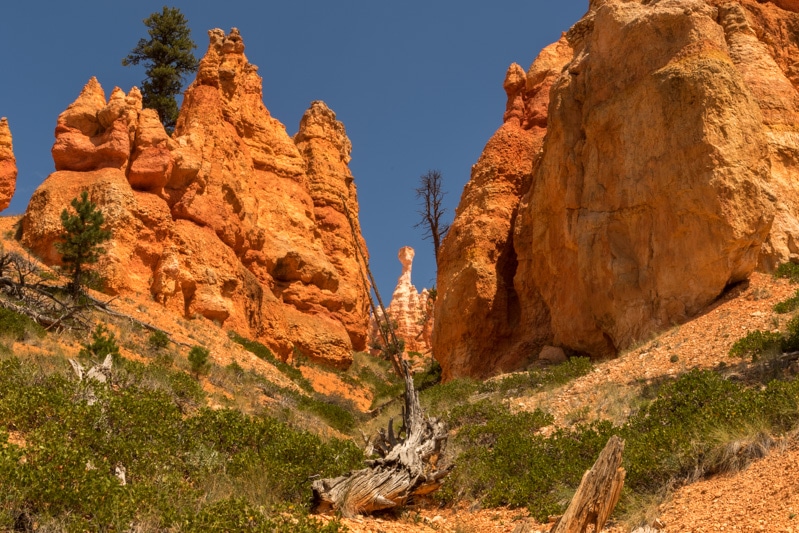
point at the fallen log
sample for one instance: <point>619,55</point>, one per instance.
<point>408,465</point>
<point>598,493</point>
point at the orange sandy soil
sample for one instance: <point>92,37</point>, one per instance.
<point>764,497</point>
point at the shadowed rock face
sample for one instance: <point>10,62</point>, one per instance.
<point>8,165</point>
<point>665,169</point>
<point>229,219</point>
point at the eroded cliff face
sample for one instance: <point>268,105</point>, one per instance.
<point>478,312</point>
<point>667,171</point>
<point>8,165</point>
<point>228,219</point>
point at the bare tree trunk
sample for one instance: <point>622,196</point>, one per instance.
<point>407,467</point>
<point>598,493</point>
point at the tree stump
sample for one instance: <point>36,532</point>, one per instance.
<point>407,466</point>
<point>598,493</point>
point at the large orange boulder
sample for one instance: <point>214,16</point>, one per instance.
<point>226,219</point>
<point>8,165</point>
<point>668,171</point>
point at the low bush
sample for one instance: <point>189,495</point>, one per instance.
<point>552,376</point>
<point>266,354</point>
<point>756,343</point>
<point>336,411</point>
<point>158,340</point>
<point>103,343</point>
<point>198,360</point>
<point>788,271</point>
<point>18,326</point>
<point>671,439</point>
<point>184,472</point>
<point>787,306</point>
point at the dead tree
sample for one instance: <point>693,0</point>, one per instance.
<point>408,464</point>
<point>598,493</point>
<point>431,196</point>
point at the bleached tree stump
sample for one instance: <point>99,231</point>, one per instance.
<point>407,466</point>
<point>598,493</point>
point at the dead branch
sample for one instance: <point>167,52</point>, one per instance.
<point>598,493</point>
<point>407,467</point>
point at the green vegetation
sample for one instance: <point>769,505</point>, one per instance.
<point>208,470</point>
<point>103,344</point>
<point>787,306</point>
<point>377,375</point>
<point>757,343</point>
<point>788,271</point>
<point>158,340</point>
<point>505,460</point>
<point>552,376</point>
<point>167,56</point>
<point>198,360</point>
<point>81,241</point>
<point>17,326</point>
<point>266,354</point>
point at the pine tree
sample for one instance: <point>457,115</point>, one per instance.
<point>81,241</point>
<point>168,57</point>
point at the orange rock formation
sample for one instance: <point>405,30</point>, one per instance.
<point>477,310</point>
<point>8,165</point>
<point>228,219</point>
<point>409,309</point>
<point>668,172</point>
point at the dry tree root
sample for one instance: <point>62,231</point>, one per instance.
<point>407,466</point>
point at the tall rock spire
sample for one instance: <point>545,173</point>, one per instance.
<point>8,165</point>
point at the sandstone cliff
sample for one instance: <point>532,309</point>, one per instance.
<point>664,169</point>
<point>409,309</point>
<point>8,165</point>
<point>478,311</point>
<point>228,219</point>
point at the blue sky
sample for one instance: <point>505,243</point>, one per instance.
<point>418,85</point>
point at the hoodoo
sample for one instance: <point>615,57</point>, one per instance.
<point>8,165</point>
<point>229,219</point>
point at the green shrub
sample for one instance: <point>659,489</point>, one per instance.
<point>331,409</point>
<point>756,343</point>
<point>158,340</point>
<point>441,398</point>
<point>198,360</point>
<point>552,376</point>
<point>790,340</point>
<point>786,306</point>
<point>103,343</point>
<point>788,271</point>
<point>382,387</point>
<point>430,377</point>
<point>185,472</point>
<point>266,354</point>
<point>18,326</point>
<point>505,460</point>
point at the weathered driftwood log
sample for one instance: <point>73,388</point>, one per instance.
<point>407,466</point>
<point>598,493</point>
